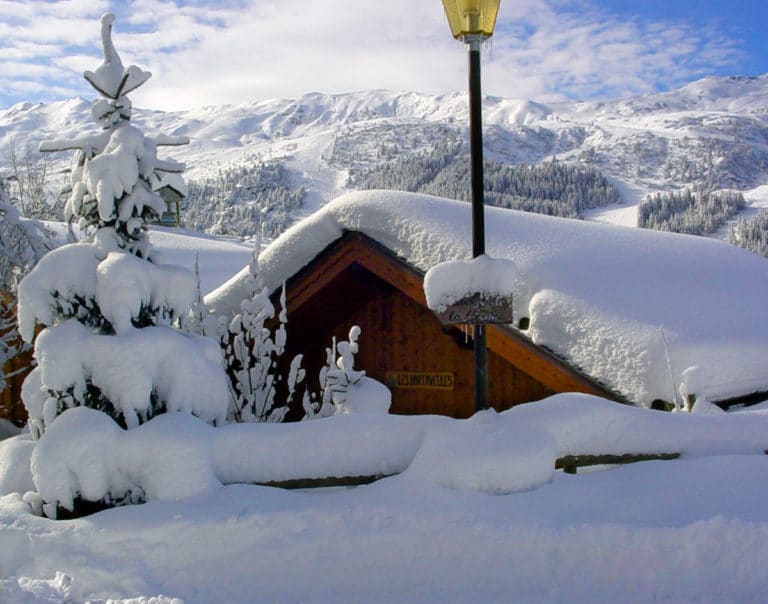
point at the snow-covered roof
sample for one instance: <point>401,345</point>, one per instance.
<point>632,308</point>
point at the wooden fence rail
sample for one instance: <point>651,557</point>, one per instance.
<point>567,463</point>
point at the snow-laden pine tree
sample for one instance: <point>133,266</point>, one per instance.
<point>107,308</point>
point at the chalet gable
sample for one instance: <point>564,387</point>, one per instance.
<point>357,272</point>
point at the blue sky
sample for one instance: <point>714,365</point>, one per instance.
<point>234,51</point>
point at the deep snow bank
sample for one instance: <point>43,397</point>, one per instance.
<point>176,456</point>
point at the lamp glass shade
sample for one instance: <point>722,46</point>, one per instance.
<point>471,17</point>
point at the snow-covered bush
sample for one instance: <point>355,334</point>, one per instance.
<point>264,385</point>
<point>22,242</point>
<point>346,389</point>
<point>107,308</point>
<point>252,352</point>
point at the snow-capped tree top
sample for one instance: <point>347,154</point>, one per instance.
<point>111,79</point>
<point>116,171</point>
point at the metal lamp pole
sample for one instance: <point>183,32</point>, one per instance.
<point>478,209</point>
<point>472,21</point>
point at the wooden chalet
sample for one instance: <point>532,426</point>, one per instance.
<point>616,312</point>
<point>427,366</point>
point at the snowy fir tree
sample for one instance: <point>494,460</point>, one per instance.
<point>107,309</point>
<point>699,212</point>
<point>554,188</point>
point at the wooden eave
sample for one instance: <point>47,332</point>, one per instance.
<point>356,248</point>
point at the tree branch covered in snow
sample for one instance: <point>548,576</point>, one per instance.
<point>252,351</point>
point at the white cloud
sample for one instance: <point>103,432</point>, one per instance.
<point>240,50</point>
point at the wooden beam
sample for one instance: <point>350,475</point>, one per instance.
<point>541,365</point>
<point>568,463</point>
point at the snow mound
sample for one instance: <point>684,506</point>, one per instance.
<point>450,281</point>
<point>176,456</point>
<point>366,395</point>
<point>487,454</point>
<point>15,474</point>
<point>183,370</point>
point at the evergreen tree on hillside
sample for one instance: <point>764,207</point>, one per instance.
<point>553,188</point>
<point>253,198</point>
<point>751,233</point>
<point>692,212</point>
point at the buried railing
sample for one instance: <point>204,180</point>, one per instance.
<point>568,463</point>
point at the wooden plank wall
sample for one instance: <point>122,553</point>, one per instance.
<point>11,407</point>
<point>400,335</point>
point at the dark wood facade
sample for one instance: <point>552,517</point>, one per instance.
<point>17,368</point>
<point>356,281</point>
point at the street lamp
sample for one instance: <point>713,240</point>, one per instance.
<point>472,21</point>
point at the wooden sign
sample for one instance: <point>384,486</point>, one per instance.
<point>420,381</point>
<point>478,309</point>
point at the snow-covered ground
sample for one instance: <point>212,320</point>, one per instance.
<point>475,511</point>
<point>689,530</point>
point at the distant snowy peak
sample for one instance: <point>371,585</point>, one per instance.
<point>735,94</point>
<point>282,117</point>
<point>740,94</point>
<point>713,131</point>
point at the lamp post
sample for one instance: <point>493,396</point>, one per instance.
<point>472,21</point>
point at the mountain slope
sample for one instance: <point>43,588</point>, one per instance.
<point>712,132</point>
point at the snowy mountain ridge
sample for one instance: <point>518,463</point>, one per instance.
<point>713,131</point>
